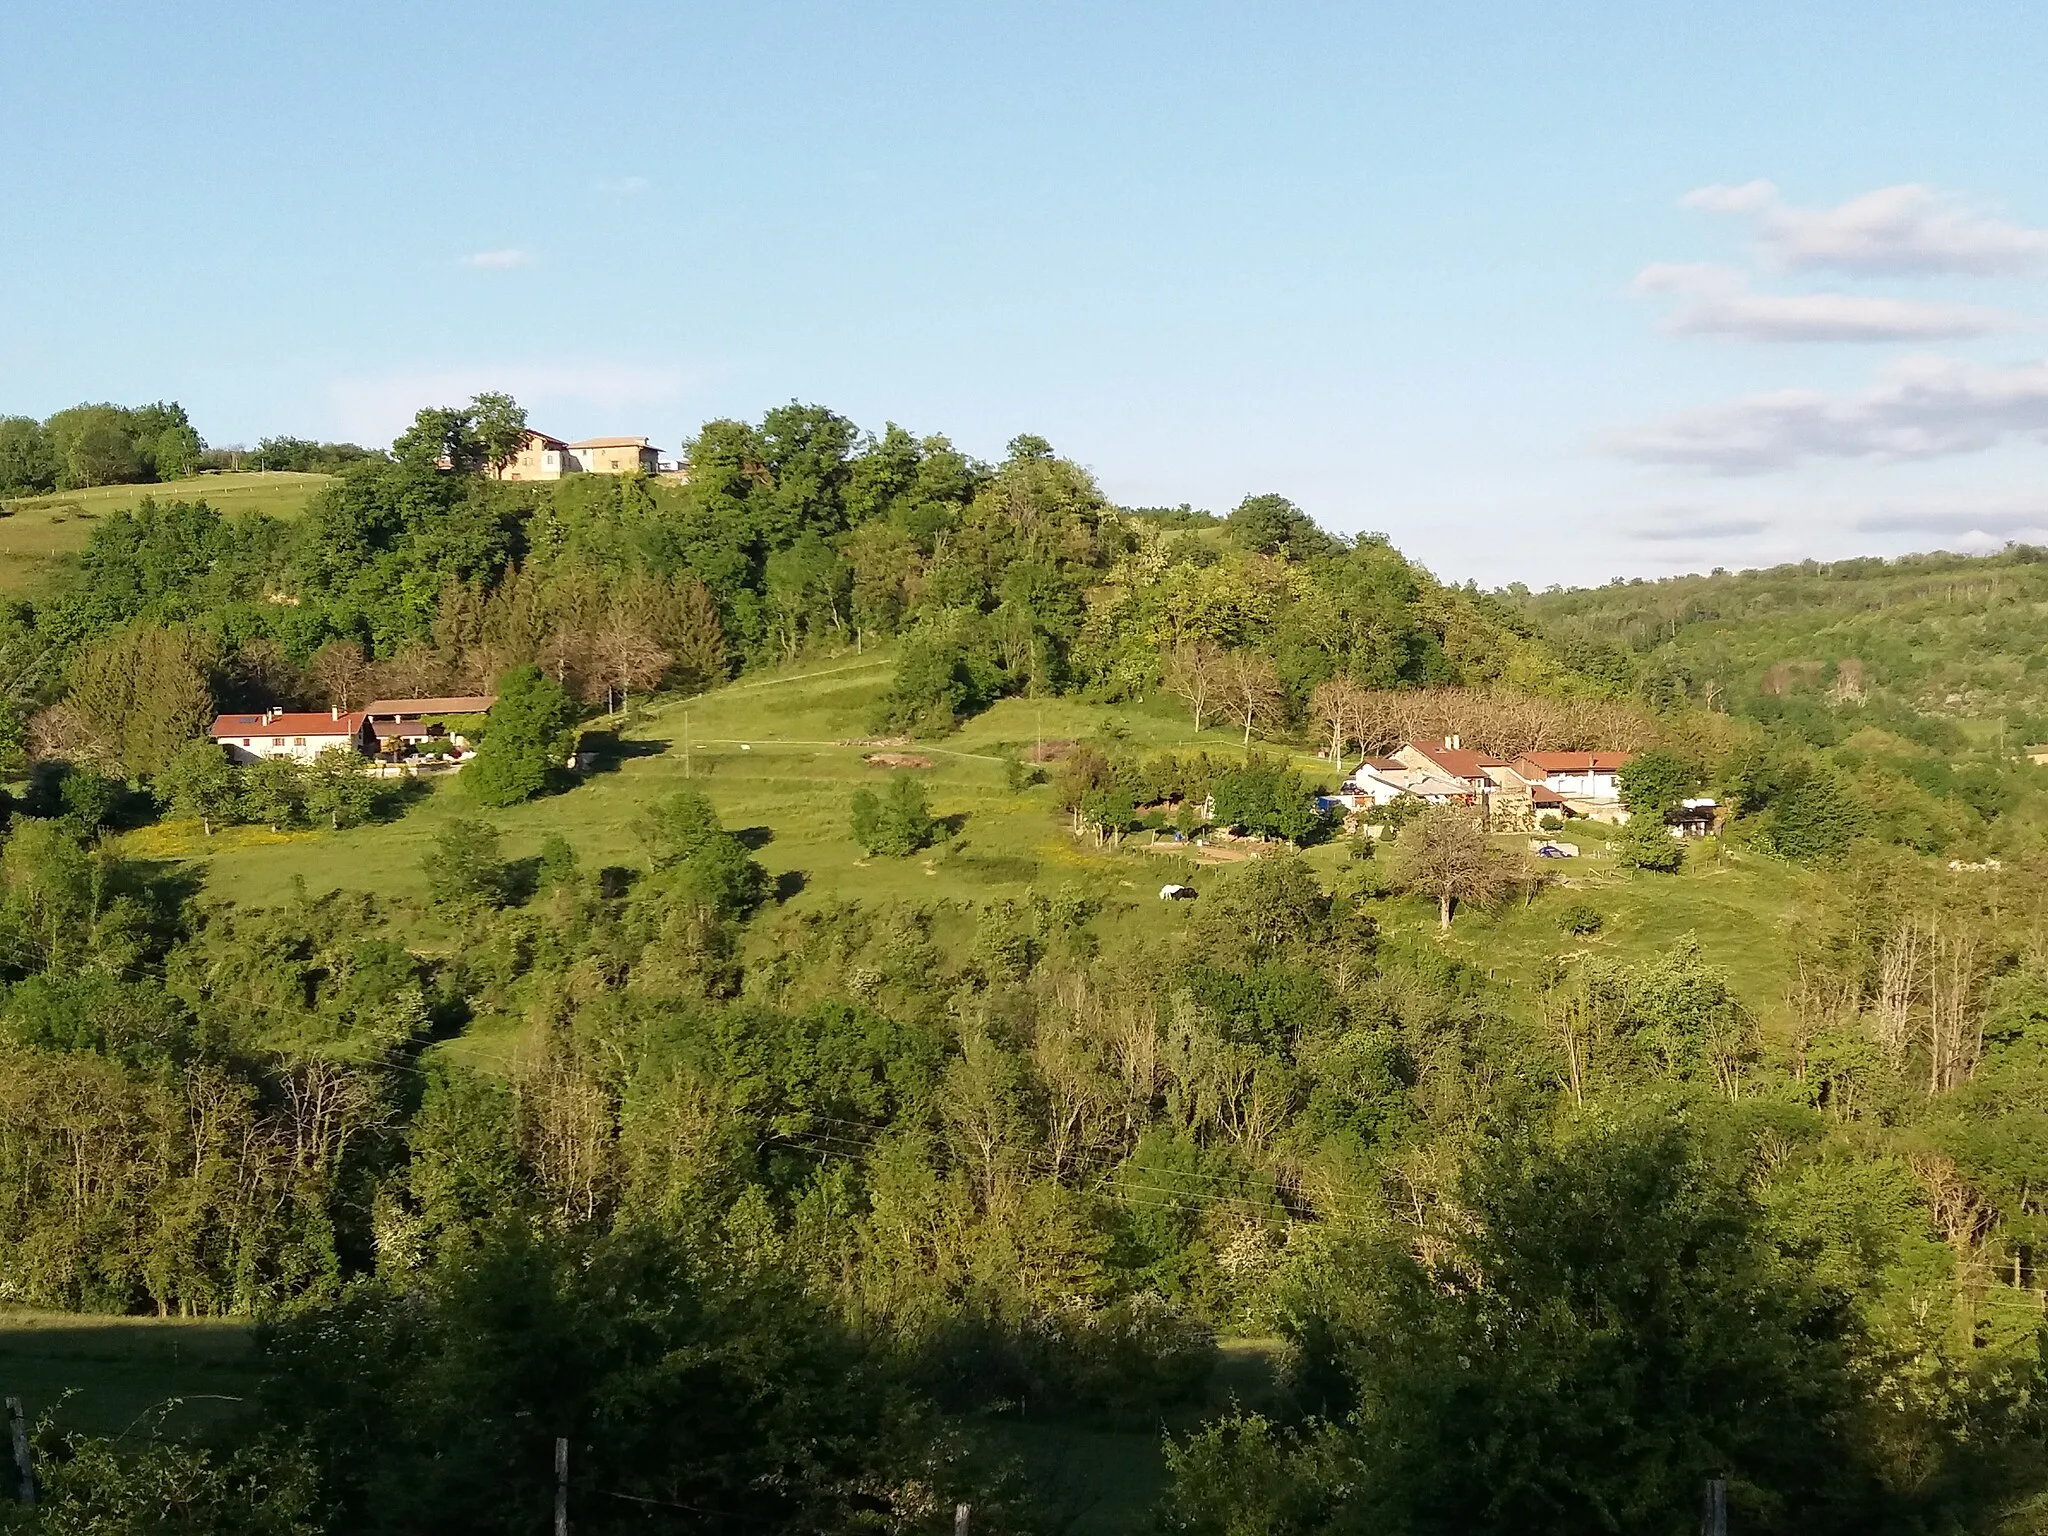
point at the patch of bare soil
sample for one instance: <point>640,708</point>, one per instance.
<point>896,760</point>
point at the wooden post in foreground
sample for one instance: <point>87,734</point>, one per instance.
<point>561,1487</point>
<point>1714,1518</point>
<point>17,1425</point>
<point>960,1512</point>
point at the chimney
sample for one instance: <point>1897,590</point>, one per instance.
<point>1451,743</point>
<point>334,712</point>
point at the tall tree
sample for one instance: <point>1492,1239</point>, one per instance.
<point>1251,689</point>
<point>526,738</point>
<point>140,695</point>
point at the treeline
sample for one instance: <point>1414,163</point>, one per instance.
<point>90,445</point>
<point>1939,635</point>
<point>790,534</point>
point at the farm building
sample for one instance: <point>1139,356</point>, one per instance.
<point>278,733</point>
<point>542,457</point>
<point>1575,775</point>
<point>399,727</point>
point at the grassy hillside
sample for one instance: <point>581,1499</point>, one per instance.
<point>37,530</point>
<point>781,755</point>
<point>110,1375</point>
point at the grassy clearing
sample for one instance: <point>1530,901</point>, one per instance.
<point>36,531</point>
<point>121,1375</point>
<point>781,755</point>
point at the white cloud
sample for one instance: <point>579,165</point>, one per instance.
<point>1717,301</point>
<point>602,396</point>
<point>1678,527</point>
<point>2020,518</point>
<point>1924,408</point>
<point>621,187</point>
<point>1909,228</point>
<point>498,261</point>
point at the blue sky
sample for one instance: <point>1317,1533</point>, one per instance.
<point>1545,293</point>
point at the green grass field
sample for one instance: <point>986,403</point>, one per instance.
<point>125,1375</point>
<point>36,531</point>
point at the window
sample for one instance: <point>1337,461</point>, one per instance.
<point>246,742</point>
<point>277,741</point>
<point>298,741</point>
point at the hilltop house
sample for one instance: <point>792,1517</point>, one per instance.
<point>542,457</point>
<point>301,737</point>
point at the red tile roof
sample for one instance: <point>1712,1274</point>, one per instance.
<point>1459,763</point>
<point>611,442</point>
<point>309,724</point>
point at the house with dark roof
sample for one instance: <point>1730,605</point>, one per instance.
<point>399,727</point>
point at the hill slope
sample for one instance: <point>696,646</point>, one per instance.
<point>35,531</point>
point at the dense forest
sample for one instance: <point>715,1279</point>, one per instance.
<point>783,1206</point>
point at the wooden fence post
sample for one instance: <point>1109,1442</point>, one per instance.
<point>17,1426</point>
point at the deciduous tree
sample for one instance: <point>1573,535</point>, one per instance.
<point>526,738</point>
<point>1446,855</point>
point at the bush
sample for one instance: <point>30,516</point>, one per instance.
<point>1550,821</point>
<point>937,682</point>
<point>896,822</point>
<point>1269,799</point>
<point>1646,843</point>
<point>1580,917</point>
<point>557,863</point>
<point>463,866</point>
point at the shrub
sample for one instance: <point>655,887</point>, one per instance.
<point>1580,917</point>
<point>1646,843</point>
<point>1550,821</point>
<point>896,822</point>
<point>463,866</point>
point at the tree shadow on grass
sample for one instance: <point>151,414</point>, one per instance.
<point>788,885</point>
<point>608,751</point>
<point>754,839</point>
<point>520,881</point>
<point>392,798</point>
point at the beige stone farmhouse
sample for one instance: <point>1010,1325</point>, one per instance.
<point>542,457</point>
